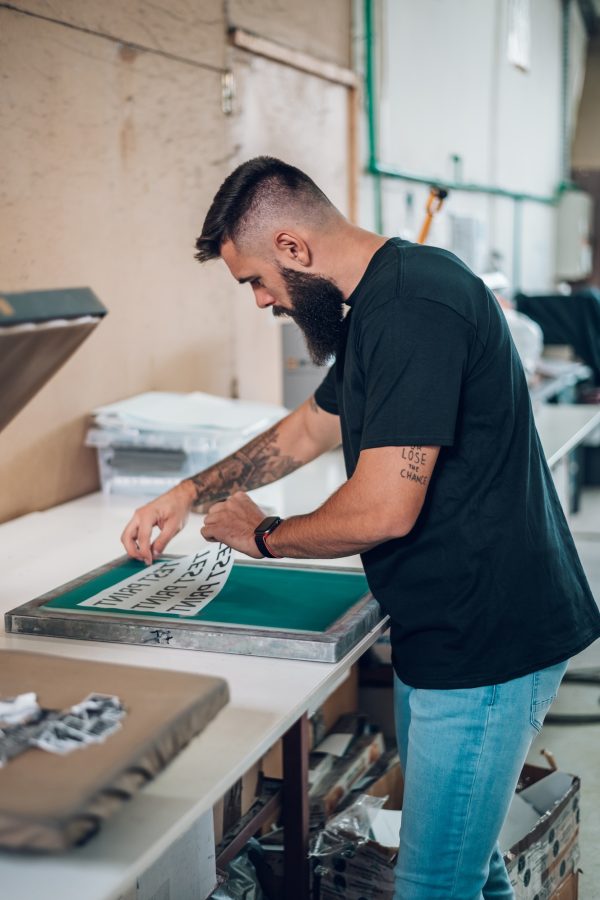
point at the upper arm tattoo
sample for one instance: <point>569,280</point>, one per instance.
<point>414,461</point>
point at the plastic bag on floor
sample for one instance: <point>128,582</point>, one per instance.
<point>242,882</point>
<point>351,825</point>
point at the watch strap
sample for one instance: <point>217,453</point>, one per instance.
<point>261,533</point>
<point>266,544</point>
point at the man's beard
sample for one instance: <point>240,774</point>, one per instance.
<point>318,310</point>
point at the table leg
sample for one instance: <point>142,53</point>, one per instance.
<point>295,810</point>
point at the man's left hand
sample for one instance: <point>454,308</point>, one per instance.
<point>232,522</point>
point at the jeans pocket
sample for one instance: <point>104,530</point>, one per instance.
<point>545,685</point>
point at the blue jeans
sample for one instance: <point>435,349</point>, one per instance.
<point>462,752</point>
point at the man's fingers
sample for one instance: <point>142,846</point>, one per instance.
<point>144,536</point>
<point>168,513</point>
<point>214,516</point>
<point>168,533</point>
<point>207,531</point>
<point>129,538</point>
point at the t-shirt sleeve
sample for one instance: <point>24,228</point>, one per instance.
<point>414,355</point>
<point>325,394</point>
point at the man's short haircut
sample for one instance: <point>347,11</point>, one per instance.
<point>259,188</point>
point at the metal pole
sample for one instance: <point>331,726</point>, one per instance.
<point>371,97</point>
<point>517,240</point>
<point>565,158</point>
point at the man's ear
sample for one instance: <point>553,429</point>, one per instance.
<point>293,247</point>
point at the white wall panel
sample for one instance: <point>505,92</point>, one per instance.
<point>446,87</point>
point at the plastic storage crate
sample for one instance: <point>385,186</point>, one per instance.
<point>137,455</point>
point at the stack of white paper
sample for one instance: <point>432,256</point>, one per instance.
<point>162,411</point>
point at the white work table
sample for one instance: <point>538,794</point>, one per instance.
<point>44,550</point>
<point>564,427</point>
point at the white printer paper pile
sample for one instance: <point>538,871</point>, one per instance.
<point>149,442</point>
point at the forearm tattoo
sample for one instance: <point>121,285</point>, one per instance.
<point>413,459</point>
<point>256,463</point>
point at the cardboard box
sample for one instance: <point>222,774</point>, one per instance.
<point>568,890</point>
<point>379,701</point>
<point>236,802</point>
<point>185,869</point>
<point>343,700</point>
<point>384,779</point>
<point>541,865</point>
<point>363,872</point>
<point>347,770</point>
<point>367,871</point>
<point>319,766</point>
<point>334,746</point>
<point>548,854</point>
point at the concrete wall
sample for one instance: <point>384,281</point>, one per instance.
<point>447,87</point>
<point>114,143</point>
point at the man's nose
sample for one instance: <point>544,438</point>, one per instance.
<point>263,298</point>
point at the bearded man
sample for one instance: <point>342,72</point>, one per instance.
<point>448,500</point>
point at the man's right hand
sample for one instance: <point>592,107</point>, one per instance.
<point>168,513</point>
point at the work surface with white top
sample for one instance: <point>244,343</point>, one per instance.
<point>44,550</point>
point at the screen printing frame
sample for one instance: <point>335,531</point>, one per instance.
<point>331,645</point>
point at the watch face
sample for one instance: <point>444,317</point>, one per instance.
<point>267,524</point>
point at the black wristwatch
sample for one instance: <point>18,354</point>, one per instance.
<point>266,527</point>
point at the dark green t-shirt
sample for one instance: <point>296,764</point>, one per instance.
<point>488,585</point>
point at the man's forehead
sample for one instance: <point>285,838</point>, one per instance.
<point>242,266</point>
<point>230,254</point>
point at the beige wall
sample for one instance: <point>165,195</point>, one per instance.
<point>319,27</point>
<point>187,30</point>
<point>310,108</point>
<point>300,118</point>
<point>111,155</point>
<point>586,146</point>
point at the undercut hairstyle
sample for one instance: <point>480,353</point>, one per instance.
<point>255,193</point>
